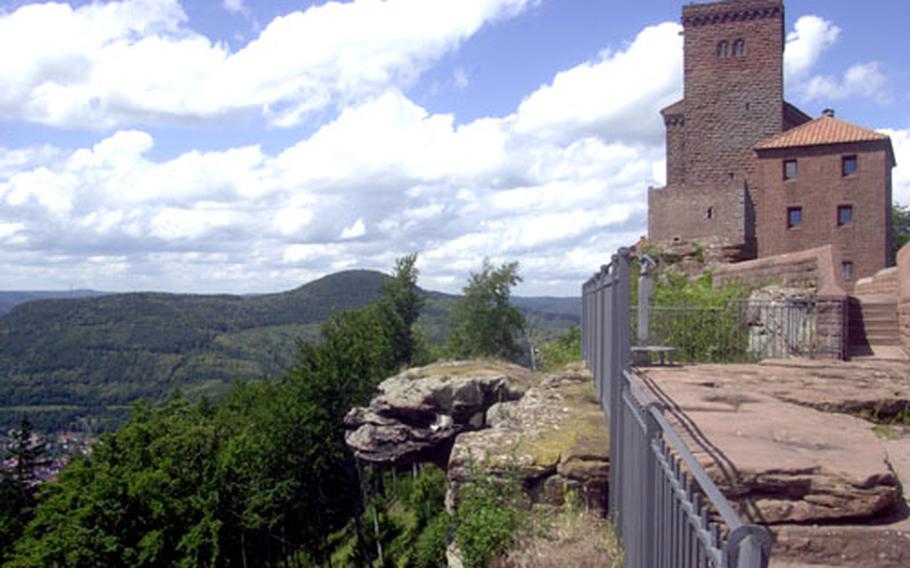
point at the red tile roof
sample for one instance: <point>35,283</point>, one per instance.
<point>821,131</point>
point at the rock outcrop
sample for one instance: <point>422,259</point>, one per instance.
<point>548,431</point>
<point>417,414</point>
<point>772,439</point>
<point>552,441</point>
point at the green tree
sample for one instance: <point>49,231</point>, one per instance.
<point>17,485</point>
<point>900,228</point>
<point>483,321</point>
<point>260,476</point>
<point>405,299</point>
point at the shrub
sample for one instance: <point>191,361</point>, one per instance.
<point>563,350</point>
<point>430,548</point>
<point>487,517</point>
<point>698,319</point>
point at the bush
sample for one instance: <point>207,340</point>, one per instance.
<point>430,549</point>
<point>563,350</point>
<point>487,518</point>
<point>698,319</point>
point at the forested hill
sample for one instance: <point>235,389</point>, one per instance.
<point>8,300</point>
<point>64,358</point>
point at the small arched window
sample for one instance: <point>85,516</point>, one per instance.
<point>709,214</point>
<point>723,49</point>
<point>739,48</point>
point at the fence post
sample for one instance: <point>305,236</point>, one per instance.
<point>650,479</point>
<point>749,546</point>
<point>644,308</point>
<point>620,347</point>
<point>644,300</point>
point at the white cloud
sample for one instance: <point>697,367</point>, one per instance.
<point>358,229</point>
<point>137,61</point>
<point>810,38</point>
<point>234,6</point>
<point>611,95</point>
<point>460,77</point>
<point>806,44</point>
<point>864,80</point>
<point>555,185</point>
<point>383,179</point>
<point>900,140</point>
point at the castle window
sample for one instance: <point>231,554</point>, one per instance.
<point>710,213</point>
<point>739,48</point>
<point>847,268</point>
<point>848,166</point>
<point>794,217</point>
<point>790,169</point>
<point>844,215</point>
<point>723,49</point>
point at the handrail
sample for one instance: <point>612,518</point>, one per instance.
<point>660,495</point>
<point>730,517</point>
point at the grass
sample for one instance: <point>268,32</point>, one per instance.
<point>886,432</point>
<point>570,537</point>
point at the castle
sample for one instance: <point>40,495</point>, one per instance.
<point>749,174</point>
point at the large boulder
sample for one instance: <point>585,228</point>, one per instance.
<point>552,441</point>
<point>416,415</point>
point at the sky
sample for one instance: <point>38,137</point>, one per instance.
<point>235,146</point>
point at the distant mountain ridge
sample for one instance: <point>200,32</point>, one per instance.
<point>10,299</point>
<point>99,353</point>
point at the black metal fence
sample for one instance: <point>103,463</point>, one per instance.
<point>668,511</point>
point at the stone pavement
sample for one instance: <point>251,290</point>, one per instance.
<point>801,446</point>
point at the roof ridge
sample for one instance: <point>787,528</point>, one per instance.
<point>820,131</point>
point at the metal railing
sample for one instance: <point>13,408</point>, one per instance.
<point>668,512</point>
<point>740,331</point>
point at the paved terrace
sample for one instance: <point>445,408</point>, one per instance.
<point>785,440</point>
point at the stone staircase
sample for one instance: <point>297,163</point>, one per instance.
<point>873,327</point>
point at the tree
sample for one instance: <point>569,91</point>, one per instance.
<point>900,228</point>
<point>17,486</point>
<point>483,321</point>
<point>261,477</point>
<point>403,296</point>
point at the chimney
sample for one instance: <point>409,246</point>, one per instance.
<point>828,112</point>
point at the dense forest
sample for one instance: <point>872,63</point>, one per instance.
<point>262,477</point>
<point>86,360</point>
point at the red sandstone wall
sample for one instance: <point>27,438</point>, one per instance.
<point>731,103</point>
<point>884,283</point>
<point>903,301</point>
<point>819,189</point>
<point>676,149</point>
<point>813,268</point>
<point>683,212</point>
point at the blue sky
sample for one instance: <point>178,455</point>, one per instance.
<point>239,146</point>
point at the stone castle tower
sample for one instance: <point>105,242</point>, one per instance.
<point>733,100</point>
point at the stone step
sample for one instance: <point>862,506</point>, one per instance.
<point>874,310</point>
<point>877,328</point>
<point>877,325</point>
<point>866,314</point>
<point>854,322</point>
<point>876,331</point>
<point>877,341</point>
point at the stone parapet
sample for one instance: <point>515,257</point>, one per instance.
<point>831,328</point>
<point>903,298</point>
